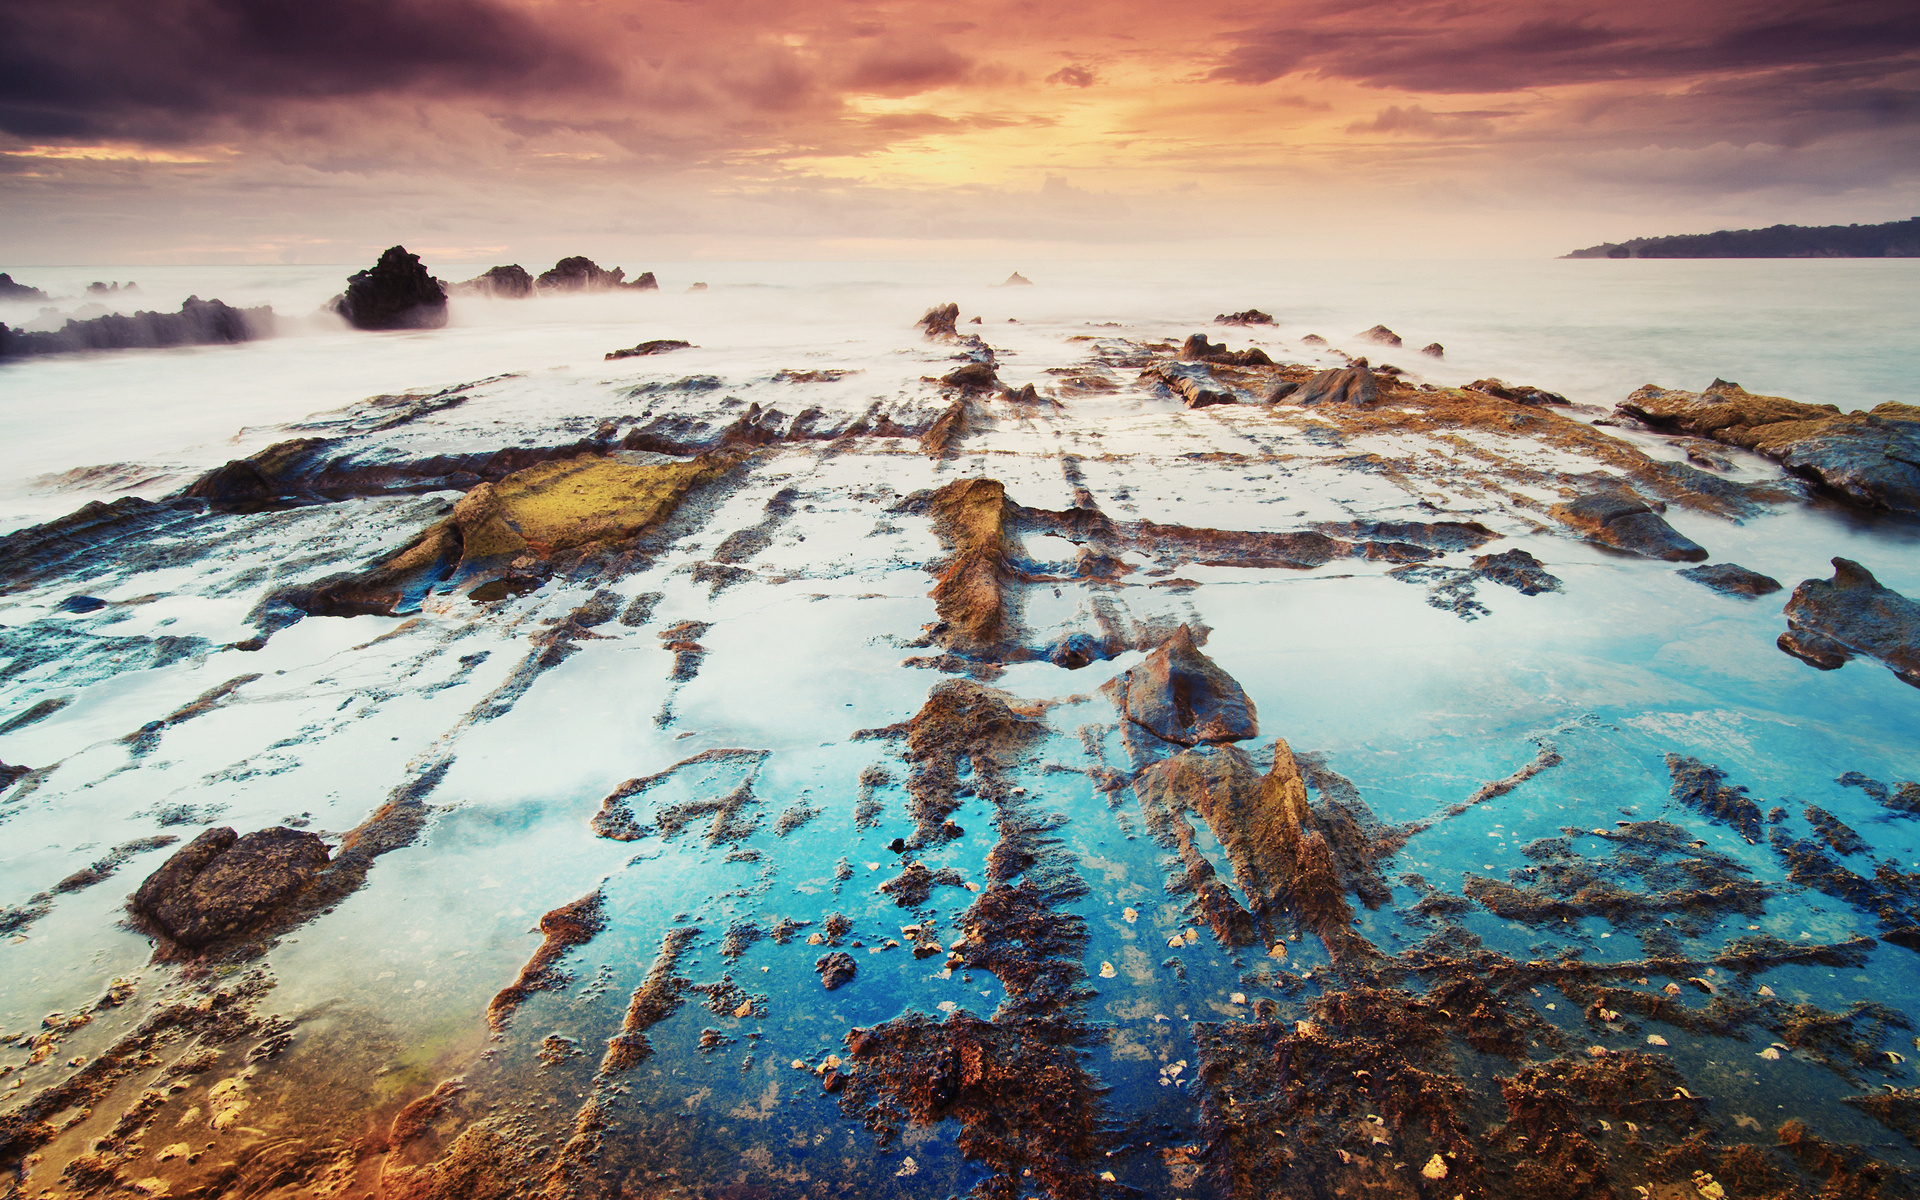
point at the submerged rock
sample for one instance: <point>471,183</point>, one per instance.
<point>1831,620</point>
<point>1731,579</point>
<point>394,293</point>
<point>645,349</point>
<point>1518,393</point>
<point>1341,385</point>
<point>1518,570</point>
<point>1252,316</point>
<point>501,283</point>
<point>198,323</point>
<point>835,969</point>
<point>1625,522</point>
<point>1180,695</point>
<point>1870,458</point>
<point>1434,350</point>
<point>221,885</point>
<point>1379,335</point>
<point>582,274</point>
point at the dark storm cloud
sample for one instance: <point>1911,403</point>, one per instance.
<point>1512,46</point>
<point>165,68</point>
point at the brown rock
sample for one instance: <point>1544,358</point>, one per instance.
<point>220,886</point>
<point>1731,579</point>
<point>835,969</point>
<point>656,346</point>
<point>1379,335</point>
<point>1191,381</point>
<point>1624,521</point>
<point>1341,385</point>
<point>1831,620</point>
<point>940,321</point>
<point>1180,695</point>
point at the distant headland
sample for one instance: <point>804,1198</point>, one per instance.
<point>1895,239</point>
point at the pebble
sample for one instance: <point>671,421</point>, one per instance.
<point>1107,971</point>
<point>1654,1039</point>
<point>1130,915</point>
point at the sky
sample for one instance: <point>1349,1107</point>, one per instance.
<point>320,131</point>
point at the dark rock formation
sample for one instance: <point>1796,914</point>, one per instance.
<point>1180,695</point>
<point>1623,521</point>
<point>835,969</point>
<point>198,323</point>
<point>1732,579</point>
<point>1252,316</point>
<point>941,321</point>
<point>9,290</point>
<point>1192,382</point>
<point>1894,239</point>
<point>1870,458</point>
<point>1341,385</point>
<point>1831,620</point>
<point>1199,349</point>
<point>1379,335</point>
<point>1518,393</point>
<point>1516,569</point>
<point>1434,350</point>
<point>1017,280</point>
<point>973,377</point>
<point>9,774</point>
<point>501,283</point>
<point>656,346</point>
<point>395,293</point>
<point>582,274</point>
<point>220,886</point>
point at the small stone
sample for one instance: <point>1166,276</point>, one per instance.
<point>1770,1054</point>
<point>1107,971</point>
<point>1436,1168</point>
<point>1654,1039</point>
<point>1129,915</point>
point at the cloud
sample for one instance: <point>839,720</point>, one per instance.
<point>1414,119</point>
<point>163,68</point>
<point>897,68</point>
<point>1073,76</point>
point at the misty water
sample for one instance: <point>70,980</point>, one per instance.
<point>800,655</point>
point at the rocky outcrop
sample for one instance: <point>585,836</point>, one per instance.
<point>221,886</point>
<point>500,283</point>
<point>523,520</point>
<point>1379,335</point>
<point>582,274</point>
<point>1198,349</point>
<point>973,377</point>
<point>835,968</point>
<point>314,471</point>
<point>1516,569</point>
<point>9,290</point>
<point>1517,393</point>
<point>1434,350</point>
<point>1017,280</point>
<point>1342,385</point>
<point>1190,381</point>
<point>1624,521</point>
<point>1180,695</point>
<point>198,323</point>
<point>1731,579</point>
<point>1870,458</point>
<point>1252,316</point>
<point>395,293</point>
<point>941,321</point>
<point>645,349</point>
<point>1831,620</point>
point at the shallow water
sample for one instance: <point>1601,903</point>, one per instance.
<point>387,991</point>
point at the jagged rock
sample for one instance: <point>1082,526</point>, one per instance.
<point>1199,349</point>
<point>835,969</point>
<point>1434,350</point>
<point>1180,695</point>
<point>1028,394</point>
<point>1341,385</point>
<point>1626,522</point>
<point>1379,335</point>
<point>1732,580</point>
<point>395,293</point>
<point>656,346</point>
<point>221,885</point>
<point>1517,393</point>
<point>502,283</point>
<point>1518,570</point>
<point>1252,316</point>
<point>198,323</point>
<point>582,274</point>
<point>941,321</point>
<point>1017,280</point>
<point>1870,458</point>
<point>9,774</point>
<point>1192,382</point>
<point>973,377</point>
<point>1831,620</point>
<point>9,290</point>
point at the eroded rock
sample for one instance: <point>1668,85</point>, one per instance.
<point>221,885</point>
<point>1831,620</point>
<point>198,323</point>
<point>1191,381</point>
<point>835,968</point>
<point>1732,579</point>
<point>1379,335</point>
<point>1623,521</point>
<point>1870,458</point>
<point>1198,349</point>
<point>501,283</point>
<point>1341,385</point>
<point>582,274</point>
<point>1518,393</point>
<point>1181,696</point>
<point>644,349</point>
<point>1251,316</point>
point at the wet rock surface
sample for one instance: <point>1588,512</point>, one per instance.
<point>1626,522</point>
<point>1180,695</point>
<point>648,349</point>
<point>1870,458</point>
<point>1732,579</point>
<point>221,886</point>
<point>1831,620</point>
<point>500,283</point>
